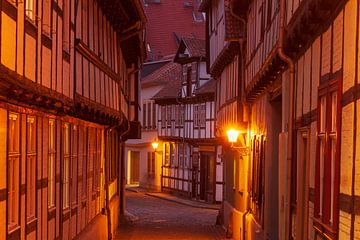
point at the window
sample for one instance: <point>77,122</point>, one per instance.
<point>327,167</point>
<point>30,10</point>
<point>144,116</point>
<point>46,17</point>
<point>84,162</point>
<point>13,170</point>
<point>96,158</point>
<point>200,115</point>
<point>154,115</point>
<point>168,115</point>
<point>172,154</point>
<point>66,162</point>
<point>66,26</point>
<point>163,116</point>
<point>74,162</point>
<point>179,115</point>
<point>30,167</point>
<point>149,115</point>
<point>258,160</point>
<point>181,154</point>
<point>167,153</point>
<point>51,164</point>
<point>151,163</point>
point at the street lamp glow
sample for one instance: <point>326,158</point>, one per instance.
<point>233,135</point>
<point>155,145</point>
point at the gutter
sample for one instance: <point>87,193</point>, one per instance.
<point>291,65</point>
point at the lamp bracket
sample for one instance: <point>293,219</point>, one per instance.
<point>243,151</point>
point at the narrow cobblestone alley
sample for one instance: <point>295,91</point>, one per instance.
<point>160,219</point>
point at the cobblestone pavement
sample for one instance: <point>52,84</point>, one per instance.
<point>160,219</point>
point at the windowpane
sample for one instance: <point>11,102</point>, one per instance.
<point>322,114</point>
<point>30,166</point>
<point>13,170</point>
<point>333,111</point>
<point>51,164</point>
<point>30,9</point>
<point>66,167</point>
<point>85,161</point>
<point>74,160</point>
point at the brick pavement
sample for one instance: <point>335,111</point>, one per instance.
<point>158,219</point>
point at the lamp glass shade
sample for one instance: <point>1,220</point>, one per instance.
<point>155,145</point>
<point>233,135</point>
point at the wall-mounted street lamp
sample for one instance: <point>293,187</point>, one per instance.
<point>155,145</point>
<point>233,136</point>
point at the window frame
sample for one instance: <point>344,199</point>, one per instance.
<point>14,209</point>
<point>30,13</point>
<point>31,162</point>
<point>322,219</point>
<point>51,166</point>
<point>257,183</point>
<point>66,156</point>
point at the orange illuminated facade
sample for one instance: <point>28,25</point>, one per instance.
<point>68,101</point>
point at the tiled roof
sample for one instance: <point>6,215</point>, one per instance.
<point>207,88</point>
<point>195,46</point>
<point>172,89</point>
<point>151,67</point>
<point>162,75</point>
<point>234,28</point>
<point>168,21</point>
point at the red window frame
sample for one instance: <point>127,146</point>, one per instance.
<point>322,223</point>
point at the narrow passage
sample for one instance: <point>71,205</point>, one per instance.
<point>160,219</point>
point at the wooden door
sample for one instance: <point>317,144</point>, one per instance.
<point>207,176</point>
<point>134,167</point>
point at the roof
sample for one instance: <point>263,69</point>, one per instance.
<point>173,87</point>
<point>150,67</point>
<point>195,47</point>
<point>234,27</point>
<point>208,88</point>
<point>162,75</point>
<point>164,28</point>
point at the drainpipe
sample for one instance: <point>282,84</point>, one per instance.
<point>107,130</point>
<point>122,177</point>
<point>291,65</point>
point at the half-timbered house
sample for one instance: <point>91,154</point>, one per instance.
<point>225,47</point>
<point>68,100</point>
<point>186,127</point>
<point>300,86</point>
<point>143,164</point>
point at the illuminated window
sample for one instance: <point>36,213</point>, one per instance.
<point>66,167</point>
<point>74,161</point>
<point>327,167</point>
<point>30,9</point>
<point>13,170</point>
<point>84,161</point>
<point>51,164</point>
<point>30,167</point>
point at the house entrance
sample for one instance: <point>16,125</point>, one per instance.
<point>134,167</point>
<point>207,176</point>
